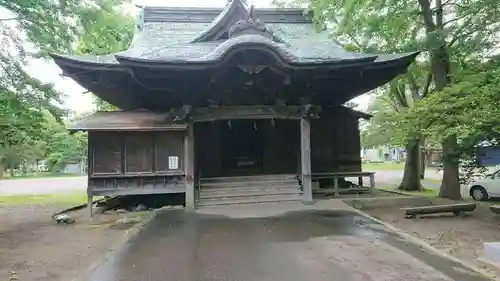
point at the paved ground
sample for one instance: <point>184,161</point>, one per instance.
<point>274,245</point>
<point>61,184</point>
<point>42,185</point>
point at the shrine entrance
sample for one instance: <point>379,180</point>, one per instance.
<point>229,148</point>
<point>242,147</point>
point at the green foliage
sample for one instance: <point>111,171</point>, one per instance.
<point>453,34</point>
<point>108,29</point>
<point>469,109</point>
<point>382,127</point>
<point>31,126</point>
<point>61,148</point>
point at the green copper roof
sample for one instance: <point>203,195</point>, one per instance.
<point>195,40</point>
<point>203,39</point>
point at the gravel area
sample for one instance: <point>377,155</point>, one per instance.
<point>33,247</point>
<point>459,237</point>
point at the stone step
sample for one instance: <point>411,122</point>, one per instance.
<point>261,188</point>
<point>248,192</point>
<point>249,200</point>
<point>249,184</point>
<point>284,177</point>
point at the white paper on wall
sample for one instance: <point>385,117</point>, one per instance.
<point>173,162</point>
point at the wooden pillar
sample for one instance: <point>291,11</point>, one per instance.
<point>89,199</point>
<point>360,181</point>
<point>372,180</point>
<point>189,167</point>
<point>90,171</point>
<point>336,186</point>
<point>305,160</point>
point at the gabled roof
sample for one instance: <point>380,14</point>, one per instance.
<point>179,36</point>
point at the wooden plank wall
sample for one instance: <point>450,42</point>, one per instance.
<point>125,154</point>
<point>281,146</point>
<point>335,143</point>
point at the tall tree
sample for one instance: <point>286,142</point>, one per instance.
<point>33,29</point>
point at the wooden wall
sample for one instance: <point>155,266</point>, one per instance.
<point>280,141</point>
<point>335,143</point>
<point>126,154</point>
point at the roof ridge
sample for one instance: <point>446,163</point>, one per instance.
<point>208,14</point>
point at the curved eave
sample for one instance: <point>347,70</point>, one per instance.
<point>80,70</point>
<point>84,63</point>
<point>403,58</point>
<point>219,56</point>
<point>382,71</point>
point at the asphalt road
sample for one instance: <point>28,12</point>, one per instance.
<point>300,245</point>
<point>68,184</point>
<point>42,185</point>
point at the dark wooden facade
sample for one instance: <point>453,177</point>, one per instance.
<point>268,146</point>
<point>122,162</point>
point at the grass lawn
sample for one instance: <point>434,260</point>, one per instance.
<point>383,166</point>
<point>436,181</point>
<point>69,198</point>
<point>6,176</point>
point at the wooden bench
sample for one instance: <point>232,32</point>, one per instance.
<point>495,209</point>
<point>457,209</point>
<point>342,175</point>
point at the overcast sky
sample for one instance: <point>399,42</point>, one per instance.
<point>76,101</point>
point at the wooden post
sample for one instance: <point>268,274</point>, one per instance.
<point>89,199</point>
<point>360,181</point>
<point>336,186</point>
<point>305,160</point>
<point>372,180</point>
<point>189,167</point>
<point>90,171</point>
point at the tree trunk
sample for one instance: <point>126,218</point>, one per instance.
<point>423,161</point>
<point>2,168</point>
<point>422,165</point>
<point>411,176</point>
<point>450,186</point>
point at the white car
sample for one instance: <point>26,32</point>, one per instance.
<point>483,189</point>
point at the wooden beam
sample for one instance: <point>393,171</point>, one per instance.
<point>189,167</point>
<point>90,171</point>
<point>204,114</point>
<point>305,160</point>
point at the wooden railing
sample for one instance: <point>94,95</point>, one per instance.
<point>111,186</point>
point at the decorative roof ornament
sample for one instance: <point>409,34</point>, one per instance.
<point>252,25</point>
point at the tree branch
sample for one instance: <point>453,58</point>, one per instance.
<point>414,89</point>
<point>398,93</point>
<point>457,32</point>
<point>428,81</point>
<point>456,19</point>
<point>430,26</point>
<point>439,15</point>
<point>390,103</point>
<point>7,19</point>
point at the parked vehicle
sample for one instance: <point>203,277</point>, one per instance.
<point>483,188</point>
